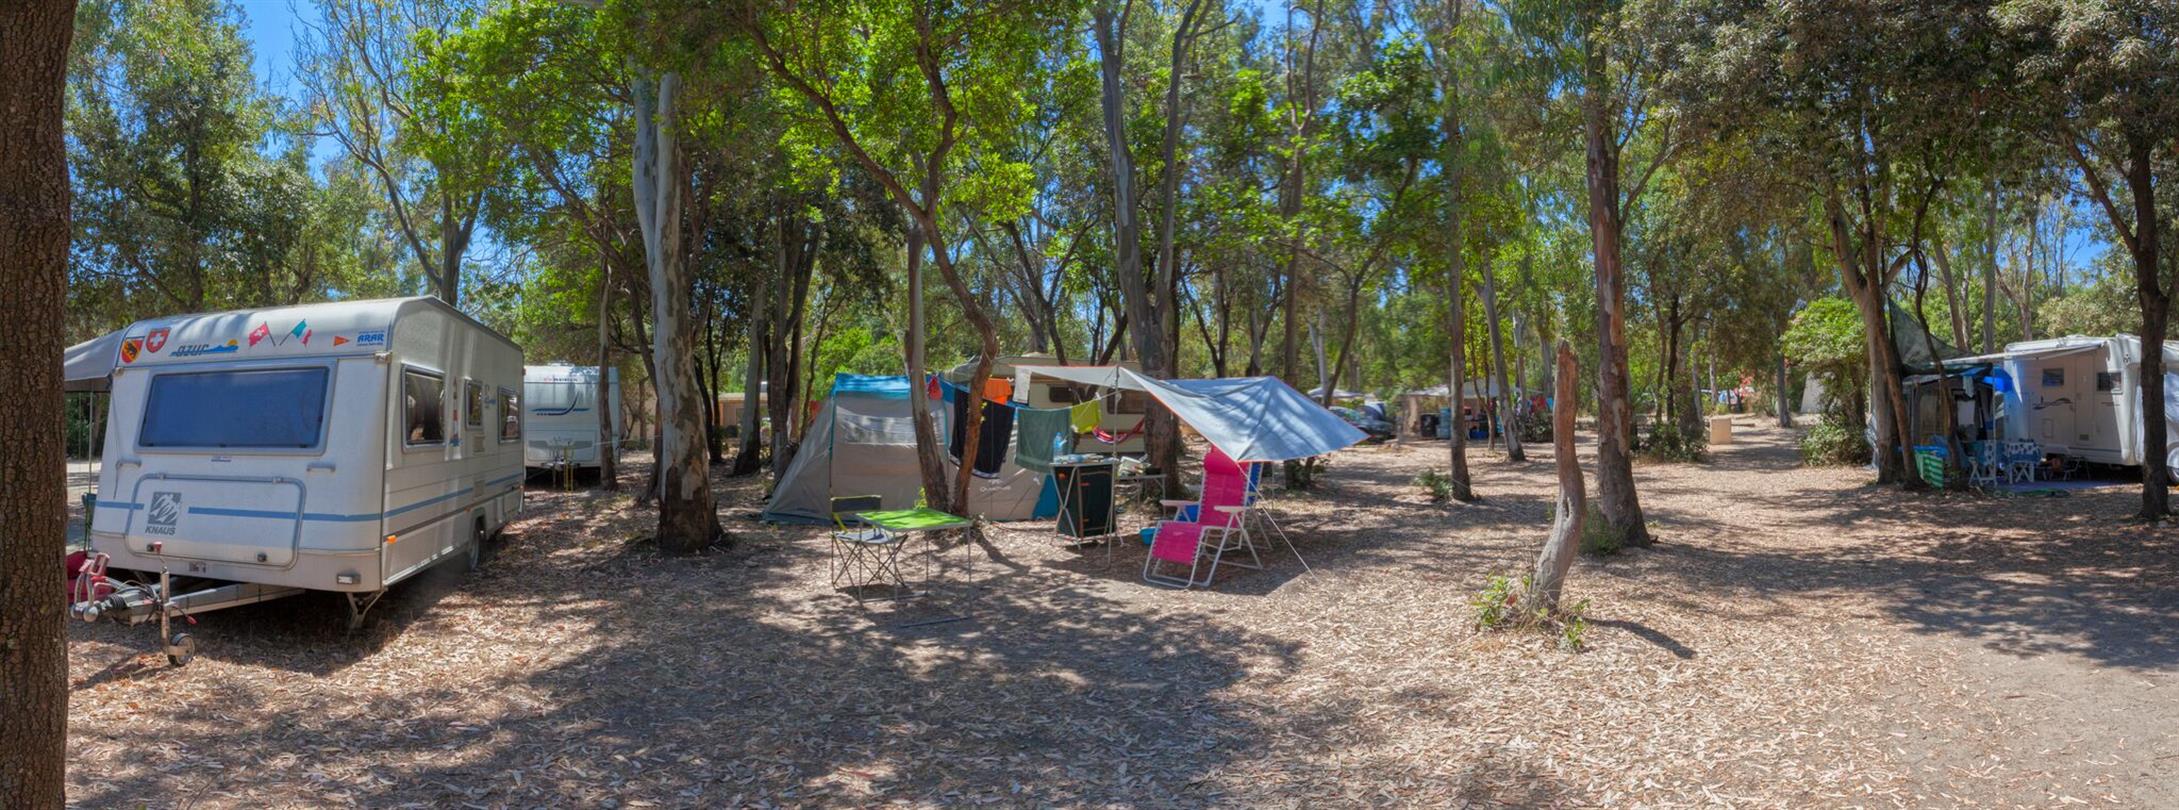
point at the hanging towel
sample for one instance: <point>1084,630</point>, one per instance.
<point>1042,430</point>
<point>992,438</point>
<point>1085,416</point>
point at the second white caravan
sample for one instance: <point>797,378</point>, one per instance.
<point>562,403</point>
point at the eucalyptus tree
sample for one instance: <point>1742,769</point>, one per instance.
<point>433,154</point>
<point>2107,72</point>
<point>905,91</point>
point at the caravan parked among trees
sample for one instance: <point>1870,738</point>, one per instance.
<point>563,427</point>
<point>336,447</point>
<point>2076,396</point>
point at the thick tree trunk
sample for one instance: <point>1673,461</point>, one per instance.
<point>1549,581</point>
<point>1616,497</point>
<point>1498,362</point>
<point>34,234</point>
<point>799,243</point>
<point>608,394</point>
<point>2155,302</point>
<point>1161,430</point>
<point>687,521</point>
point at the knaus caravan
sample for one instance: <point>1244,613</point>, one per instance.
<point>561,421</point>
<point>335,447</point>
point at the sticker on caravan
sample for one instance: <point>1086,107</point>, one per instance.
<point>376,337</point>
<point>301,330</point>
<point>163,514</point>
<point>156,340</point>
<point>338,340</point>
<point>197,349</point>
<point>259,333</point>
<point>129,349</point>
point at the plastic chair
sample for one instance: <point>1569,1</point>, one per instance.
<point>1217,527</point>
<point>2022,456</point>
<point>864,556</point>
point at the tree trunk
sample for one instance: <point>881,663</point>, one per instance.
<point>930,450</point>
<point>1456,328</point>
<point>1549,581</point>
<point>1617,500</point>
<point>1161,430</point>
<point>749,457</point>
<point>1989,275</point>
<point>1785,396</point>
<point>687,521</point>
<point>2155,302</point>
<point>799,243</point>
<point>34,237</point>
<point>608,394</point>
<point>1498,362</point>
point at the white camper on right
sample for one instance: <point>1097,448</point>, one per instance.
<point>2081,397</point>
<point>561,425</point>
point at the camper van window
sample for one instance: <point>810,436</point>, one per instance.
<point>2106,381</point>
<point>473,404</point>
<point>423,396</point>
<point>267,409</point>
<point>1130,402</point>
<point>1062,394</point>
<point>510,417</point>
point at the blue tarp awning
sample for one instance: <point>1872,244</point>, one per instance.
<point>1251,418</point>
<point>894,387</point>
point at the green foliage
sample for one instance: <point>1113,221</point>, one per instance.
<point>1597,537</point>
<point>1498,607</point>
<point>2105,306</point>
<point>1667,443</point>
<point>1834,442</point>
<point>1497,604</point>
<point>1826,341</point>
<point>1437,484</point>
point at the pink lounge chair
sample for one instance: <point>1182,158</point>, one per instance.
<point>1215,528</point>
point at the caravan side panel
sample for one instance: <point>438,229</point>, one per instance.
<point>453,451</point>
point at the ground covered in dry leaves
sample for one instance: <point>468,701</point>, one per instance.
<point>1800,637</point>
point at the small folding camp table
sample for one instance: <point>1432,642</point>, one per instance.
<point>906,522</point>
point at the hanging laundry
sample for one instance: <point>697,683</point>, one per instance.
<point>998,389</point>
<point>1042,431</point>
<point>931,388</point>
<point>992,438</point>
<point>1085,416</point>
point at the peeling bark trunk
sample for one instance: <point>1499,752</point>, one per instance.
<point>687,521</point>
<point>930,461</point>
<point>1549,581</point>
<point>1616,496</point>
<point>750,454</point>
<point>1456,327</point>
<point>34,238</point>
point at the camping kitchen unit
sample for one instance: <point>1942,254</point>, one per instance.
<point>335,447</point>
<point>561,426</point>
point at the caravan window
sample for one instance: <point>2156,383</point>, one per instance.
<point>510,417</point>
<point>473,403</point>
<point>265,409</point>
<point>423,397</point>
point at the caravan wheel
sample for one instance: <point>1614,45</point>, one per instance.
<point>476,547</point>
<point>180,649</point>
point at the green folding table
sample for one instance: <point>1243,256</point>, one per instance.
<point>921,519</point>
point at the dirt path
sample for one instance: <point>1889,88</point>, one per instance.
<point>1799,638</point>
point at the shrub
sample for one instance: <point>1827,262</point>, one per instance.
<point>1834,442</point>
<point>1666,443</point>
<point>1437,484</point>
<point>1495,605</point>
<point>1596,538</point>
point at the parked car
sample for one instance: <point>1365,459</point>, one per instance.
<point>1378,429</point>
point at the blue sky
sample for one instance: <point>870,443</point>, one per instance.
<point>273,29</point>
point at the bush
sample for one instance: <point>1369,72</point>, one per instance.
<point>1496,604</point>
<point>1834,442</point>
<point>1666,443</point>
<point>1497,607</point>
<point>1437,484</point>
<point>1595,537</point>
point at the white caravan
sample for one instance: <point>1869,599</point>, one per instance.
<point>334,447</point>
<point>2079,397</point>
<point>562,404</point>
